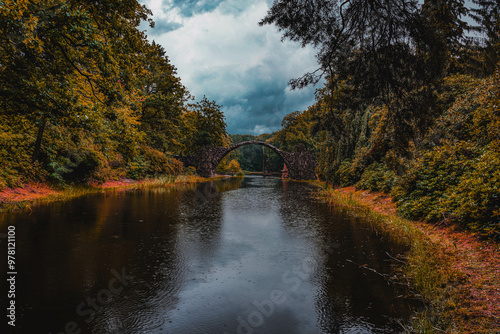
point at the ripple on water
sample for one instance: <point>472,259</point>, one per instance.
<point>200,262</point>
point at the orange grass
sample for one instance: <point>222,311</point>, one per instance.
<point>470,300</point>
<point>28,194</point>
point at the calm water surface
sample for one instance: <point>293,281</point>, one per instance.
<point>238,256</point>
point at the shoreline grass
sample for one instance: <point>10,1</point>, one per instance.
<point>461,295</point>
<point>44,193</point>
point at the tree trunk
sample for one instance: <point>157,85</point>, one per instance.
<point>38,143</point>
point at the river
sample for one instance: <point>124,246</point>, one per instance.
<point>254,255</point>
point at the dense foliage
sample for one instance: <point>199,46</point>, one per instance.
<point>409,103</point>
<point>458,177</point>
<point>85,97</point>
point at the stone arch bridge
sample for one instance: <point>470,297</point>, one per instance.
<point>301,164</point>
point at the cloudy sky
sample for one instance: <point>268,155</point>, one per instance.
<point>221,52</point>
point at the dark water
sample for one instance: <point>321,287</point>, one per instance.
<point>237,256</point>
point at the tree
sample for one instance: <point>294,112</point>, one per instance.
<point>487,17</point>
<point>445,18</point>
<point>382,52</point>
<point>373,30</point>
<point>234,167</point>
<point>204,125</point>
<point>62,58</point>
<point>164,99</point>
<point>90,97</point>
<point>295,130</point>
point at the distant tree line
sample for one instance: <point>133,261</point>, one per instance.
<point>251,157</point>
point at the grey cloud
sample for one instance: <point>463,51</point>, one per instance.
<point>226,56</point>
<point>189,8</point>
<point>264,101</point>
<point>235,7</point>
<point>261,103</point>
<point>265,107</point>
<point>162,27</point>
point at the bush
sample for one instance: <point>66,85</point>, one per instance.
<point>421,192</point>
<point>75,160</point>
<point>176,167</point>
<point>343,175</point>
<point>459,183</point>
<point>112,169</point>
<point>459,180</point>
<point>153,163</point>
<point>157,163</point>
<point>377,177</point>
<point>137,168</point>
<point>234,167</point>
<point>229,167</point>
<point>475,202</point>
<point>16,166</point>
<point>223,165</point>
<point>58,169</point>
<point>189,170</point>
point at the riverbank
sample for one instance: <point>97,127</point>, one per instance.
<point>29,194</point>
<point>455,272</point>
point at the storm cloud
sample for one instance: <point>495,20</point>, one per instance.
<point>222,53</point>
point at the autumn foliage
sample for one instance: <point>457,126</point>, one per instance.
<point>409,105</point>
<point>85,97</point>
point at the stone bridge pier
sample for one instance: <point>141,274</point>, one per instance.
<point>301,164</point>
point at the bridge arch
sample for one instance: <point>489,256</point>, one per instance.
<point>281,153</point>
<point>301,165</point>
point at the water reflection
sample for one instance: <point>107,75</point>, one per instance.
<point>234,256</point>
<point>349,297</point>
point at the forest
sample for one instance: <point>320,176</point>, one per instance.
<point>85,97</point>
<point>406,103</point>
<point>410,103</point>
